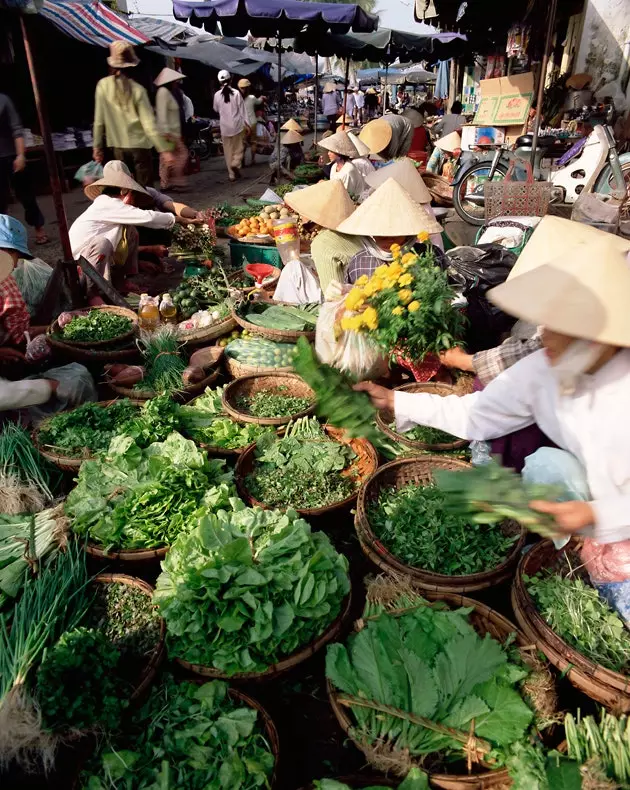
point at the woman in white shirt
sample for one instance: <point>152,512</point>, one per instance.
<point>330,104</point>
<point>229,105</point>
<point>341,151</point>
<point>576,389</point>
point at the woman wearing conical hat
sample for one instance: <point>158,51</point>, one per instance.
<point>576,389</point>
<point>341,151</point>
<point>291,155</point>
<point>171,120</point>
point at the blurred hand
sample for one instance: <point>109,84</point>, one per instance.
<point>98,155</point>
<point>570,516</point>
<point>457,358</point>
<point>19,163</point>
<point>381,397</point>
<point>11,355</point>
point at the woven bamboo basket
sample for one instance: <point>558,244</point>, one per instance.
<point>294,660</point>
<point>128,353</point>
<point>365,465</point>
<point>99,344</point>
<point>272,334</point>
<point>238,369</point>
<point>156,656</point>
<point>269,727</point>
<point>66,462</point>
<point>419,471</point>
<point>485,621</point>
<point>605,686</point>
<point>126,555</point>
<point>247,386</point>
<point>195,337</point>
<point>386,417</point>
<point>440,189</point>
<point>183,395</point>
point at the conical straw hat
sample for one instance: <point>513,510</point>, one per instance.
<point>390,211</point>
<point>339,143</point>
<point>362,149</point>
<point>327,203</point>
<point>116,174</point>
<point>555,237</point>
<point>168,75</point>
<point>411,114</point>
<point>449,143</point>
<point>406,173</point>
<point>291,137</point>
<point>377,135</point>
<point>584,294</point>
<point>329,87</point>
<point>345,119</point>
<point>291,126</point>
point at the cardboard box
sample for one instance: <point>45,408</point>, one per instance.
<point>481,135</point>
<point>505,101</point>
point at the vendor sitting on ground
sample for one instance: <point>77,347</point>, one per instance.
<point>341,152</point>
<point>576,390</point>
<point>14,316</point>
<point>327,204</point>
<point>389,217</point>
<point>291,155</point>
<point>389,137</point>
<point>106,233</point>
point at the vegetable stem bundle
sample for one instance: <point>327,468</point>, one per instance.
<point>163,360</point>
<point>25,478</point>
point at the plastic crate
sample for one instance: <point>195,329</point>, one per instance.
<point>253,253</point>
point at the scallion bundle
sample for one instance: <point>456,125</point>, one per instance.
<point>25,475</point>
<point>164,364</point>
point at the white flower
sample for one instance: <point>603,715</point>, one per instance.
<point>205,227</point>
<point>191,227</point>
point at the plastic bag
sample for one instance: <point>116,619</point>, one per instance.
<point>298,285</point>
<point>89,173</point>
<point>32,279</point>
<point>600,211</point>
<point>76,386</point>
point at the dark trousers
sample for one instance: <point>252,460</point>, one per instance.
<point>332,122</point>
<point>139,161</point>
<point>21,184</point>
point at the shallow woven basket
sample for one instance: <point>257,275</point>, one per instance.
<point>440,188</point>
<point>219,452</point>
<point>239,369</point>
<point>66,462</point>
<point>605,686</point>
<point>198,336</point>
<point>272,334</point>
<point>303,654</point>
<point>126,555</point>
<point>269,727</point>
<point>364,465</point>
<point>247,386</point>
<point>485,621</point>
<point>183,395</point>
<point>386,417</point>
<point>419,471</point>
<point>100,344</point>
<point>156,656</point>
<point>128,354</point>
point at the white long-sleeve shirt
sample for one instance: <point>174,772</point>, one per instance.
<point>350,177</point>
<point>232,114</point>
<point>21,394</point>
<point>106,217</point>
<point>592,424</point>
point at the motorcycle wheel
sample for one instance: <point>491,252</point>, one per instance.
<point>472,180</point>
<point>201,148</point>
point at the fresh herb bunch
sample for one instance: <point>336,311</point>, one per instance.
<point>413,523</point>
<point>303,469</point>
<point>96,325</point>
<point>273,403</point>
<point>405,306</point>
<point>427,435</point>
<point>290,318</point>
<point>197,240</point>
<point>606,743</point>
<point>580,616</point>
<point>77,684</point>
<point>163,362</point>
<point>227,215</point>
<point>154,422</point>
<point>187,736</point>
<point>86,430</point>
<point>420,681</point>
<point>203,292</point>
<point>133,498</point>
<point>248,588</point>
<point>27,479</point>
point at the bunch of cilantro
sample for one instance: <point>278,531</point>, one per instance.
<point>187,736</point>
<point>133,498</point>
<point>247,588</point>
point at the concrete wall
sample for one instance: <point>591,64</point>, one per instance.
<point>604,50</point>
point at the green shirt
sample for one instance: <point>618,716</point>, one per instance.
<point>120,123</point>
<point>331,253</point>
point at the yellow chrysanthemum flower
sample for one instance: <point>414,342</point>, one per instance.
<point>346,324</point>
<point>355,299</point>
<point>363,280</point>
<point>397,310</point>
<point>394,249</point>
<point>413,306</point>
<point>423,236</point>
<point>408,257</point>
<point>381,271</point>
<point>405,279</point>
<point>370,318</point>
<point>394,270</point>
<point>405,295</point>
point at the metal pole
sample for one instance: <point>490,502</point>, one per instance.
<point>345,94</point>
<point>279,99</point>
<point>384,94</point>
<point>316,99</point>
<point>51,159</point>
<point>543,73</point>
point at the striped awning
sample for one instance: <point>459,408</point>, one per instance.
<point>92,22</point>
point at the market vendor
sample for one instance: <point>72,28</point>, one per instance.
<point>327,205</point>
<point>291,155</point>
<point>575,389</point>
<point>443,160</point>
<point>388,137</point>
<point>14,316</point>
<point>341,152</point>
<point>362,160</point>
<point>390,217</point>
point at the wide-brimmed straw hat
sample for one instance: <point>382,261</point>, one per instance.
<point>377,135</point>
<point>122,55</point>
<point>116,174</point>
<point>339,143</point>
<point>411,114</point>
<point>327,203</point>
<point>168,75</point>
<point>449,142</point>
<point>291,126</point>
<point>406,174</point>
<point>288,138</point>
<point>584,294</point>
<point>329,87</point>
<point>362,149</point>
<point>345,119</point>
<point>554,237</point>
<point>390,211</point>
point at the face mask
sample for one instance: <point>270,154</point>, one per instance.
<point>579,357</point>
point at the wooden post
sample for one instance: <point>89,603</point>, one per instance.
<point>385,88</point>
<point>345,94</point>
<point>316,99</point>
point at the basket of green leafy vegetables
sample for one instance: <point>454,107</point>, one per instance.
<point>268,398</point>
<point>578,631</point>
<point>405,527</point>
<point>421,437</point>
<point>277,320</point>
<point>97,327</point>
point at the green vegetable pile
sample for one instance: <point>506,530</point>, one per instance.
<point>248,588</point>
<point>290,318</point>
<point>580,616</point>
<point>163,362</point>
<point>307,172</point>
<point>154,422</point>
<point>187,736</point>
<point>227,215</point>
<point>422,433</point>
<point>136,498</point>
<point>261,352</point>
<point>605,743</point>
<point>273,403</point>
<point>413,523</point>
<point>202,292</point>
<point>420,681</point>
<point>96,325</point>
<point>416,780</point>
<point>86,430</point>
<point>303,469</point>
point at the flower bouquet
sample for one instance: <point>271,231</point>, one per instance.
<point>405,307</point>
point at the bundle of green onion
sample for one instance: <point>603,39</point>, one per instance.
<point>164,364</point>
<point>605,743</point>
<point>25,475</point>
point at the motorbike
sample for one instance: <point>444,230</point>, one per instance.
<point>592,165</point>
<point>200,139</point>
